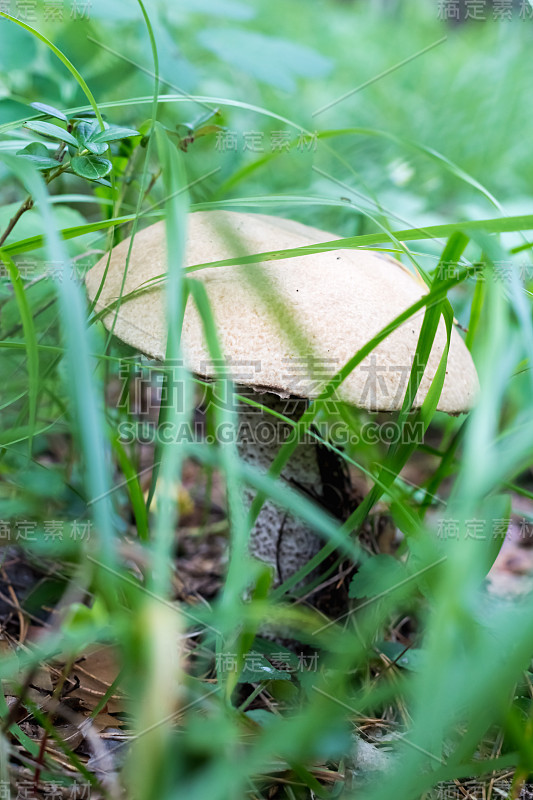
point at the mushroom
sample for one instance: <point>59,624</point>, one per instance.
<point>334,302</point>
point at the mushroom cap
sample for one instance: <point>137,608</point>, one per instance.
<point>288,325</point>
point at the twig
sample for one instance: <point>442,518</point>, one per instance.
<point>28,202</point>
<point>26,205</point>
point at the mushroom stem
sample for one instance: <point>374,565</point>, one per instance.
<point>278,538</point>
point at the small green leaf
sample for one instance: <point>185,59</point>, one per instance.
<point>53,131</point>
<point>201,120</point>
<point>257,668</point>
<point>38,154</point>
<point>50,110</point>
<point>91,167</point>
<point>36,149</point>
<point>84,115</point>
<point>278,654</point>
<point>97,148</point>
<point>81,616</point>
<point>84,131</point>
<point>261,716</point>
<point>379,575</point>
<point>206,130</point>
<point>113,133</point>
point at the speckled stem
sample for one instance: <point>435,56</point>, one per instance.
<point>278,538</point>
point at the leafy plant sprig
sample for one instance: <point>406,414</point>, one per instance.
<point>83,140</point>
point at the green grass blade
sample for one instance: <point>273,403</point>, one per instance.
<point>62,57</point>
<point>30,339</point>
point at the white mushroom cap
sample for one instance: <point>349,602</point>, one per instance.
<point>338,300</point>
